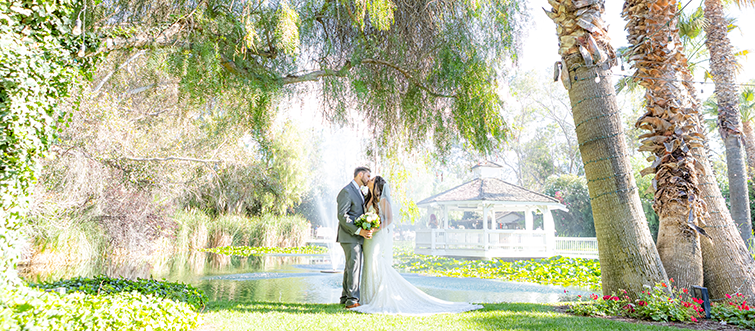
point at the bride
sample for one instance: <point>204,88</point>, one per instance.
<point>383,290</point>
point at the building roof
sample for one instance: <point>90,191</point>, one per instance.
<point>489,189</point>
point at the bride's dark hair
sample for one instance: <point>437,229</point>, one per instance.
<point>378,188</point>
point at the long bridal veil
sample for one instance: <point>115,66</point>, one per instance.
<point>383,290</point>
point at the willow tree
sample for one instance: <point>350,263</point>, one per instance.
<point>723,71</point>
<point>697,237</point>
<point>628,256</point>
<point>416,70</point>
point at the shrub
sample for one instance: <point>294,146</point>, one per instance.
<point>28,309</point>
<point>735,310</point>
<point>657,304</point>
<point>103,285</point>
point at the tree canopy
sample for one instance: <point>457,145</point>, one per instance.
<point>415,70</point>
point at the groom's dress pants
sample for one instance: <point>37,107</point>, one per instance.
<point>351,273</point>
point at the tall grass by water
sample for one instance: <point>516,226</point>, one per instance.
<point>65,247</point>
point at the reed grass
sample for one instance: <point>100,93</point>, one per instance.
<point>64,247</point>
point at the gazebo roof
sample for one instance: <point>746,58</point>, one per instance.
<point>489,189</point>
<point>488,164</point>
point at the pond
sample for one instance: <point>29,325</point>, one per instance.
<point>305,279</point>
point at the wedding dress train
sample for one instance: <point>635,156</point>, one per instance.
<point>384,291</point>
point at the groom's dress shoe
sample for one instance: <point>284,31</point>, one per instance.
<point>353,306</point>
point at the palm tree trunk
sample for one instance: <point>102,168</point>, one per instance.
<point>628,257</point>
<point>749,135</point>
<point>672,121</point>
<point>729,122</point>
<point>663,70</point>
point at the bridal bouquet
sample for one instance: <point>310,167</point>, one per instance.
<point>368,221</point>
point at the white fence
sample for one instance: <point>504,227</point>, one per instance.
<point>500,243</point>
<point>577,247</point>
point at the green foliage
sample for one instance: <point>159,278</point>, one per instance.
<point>571,191</point>
<point>25,309</point>
<point>656,304</point>
<point>37,70</point>
<point>734,310</point>
<point>103,285</point>
<point>402,65</point>
<point>259,251</point>
<point>557,270</point>
<point>272,184</point>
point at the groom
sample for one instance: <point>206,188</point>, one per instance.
<point>350,207</point>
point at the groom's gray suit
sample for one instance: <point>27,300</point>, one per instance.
<point>350,207</point>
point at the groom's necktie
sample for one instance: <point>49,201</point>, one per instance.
<point>359,191</point>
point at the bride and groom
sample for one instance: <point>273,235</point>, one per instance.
<point>370,284</point>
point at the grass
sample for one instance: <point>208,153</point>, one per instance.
<point>234,315</point>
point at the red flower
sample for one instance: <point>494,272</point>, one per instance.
<point>606,297</point>
<point>579,296</point>
<point>728,296</point>
<point>642,303</point>
<point>693,319</point>
<point>671,280</point>
<point>663,284</point>
<point>615,298</point>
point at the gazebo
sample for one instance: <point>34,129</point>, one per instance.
<point>500,205</point>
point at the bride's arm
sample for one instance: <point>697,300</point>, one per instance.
<point>387,212</point>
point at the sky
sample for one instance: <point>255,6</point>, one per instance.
<point>540,46</point>
<point>344,146</point>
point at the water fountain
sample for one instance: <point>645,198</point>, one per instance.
<point>328,233</point>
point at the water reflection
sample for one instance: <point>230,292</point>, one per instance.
<point>300,280</point>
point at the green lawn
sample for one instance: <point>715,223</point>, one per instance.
<point>301,317</point>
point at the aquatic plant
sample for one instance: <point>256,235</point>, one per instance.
<point>557,270</point>
<point>259,251</point>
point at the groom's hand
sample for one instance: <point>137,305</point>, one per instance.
<point>365,233</point>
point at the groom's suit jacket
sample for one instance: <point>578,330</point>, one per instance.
<point>350,203</point>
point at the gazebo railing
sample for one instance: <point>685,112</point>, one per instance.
<point>475,242</point>
<point>577,247</point>
<point>501,243</point>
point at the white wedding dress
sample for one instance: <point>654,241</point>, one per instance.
<point>384,291</point>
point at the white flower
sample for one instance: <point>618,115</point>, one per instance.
<point>365,190</point>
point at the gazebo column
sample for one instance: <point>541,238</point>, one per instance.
<point>528,219</point>
<point>550,232</point>
<point>445,217</point>
<point>485,211</point>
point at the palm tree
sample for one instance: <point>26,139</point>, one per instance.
<point>690,206</point>
<point>747,111</point>
<point>628,256</point>
<point>723,72</point>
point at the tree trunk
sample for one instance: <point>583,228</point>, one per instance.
<point>672,120</point>
<point>663,70</point>
<point>749,135</point>
<point>729,122</point>
<point>628,257</point>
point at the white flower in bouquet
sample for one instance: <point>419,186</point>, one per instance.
<point>368,221</point>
